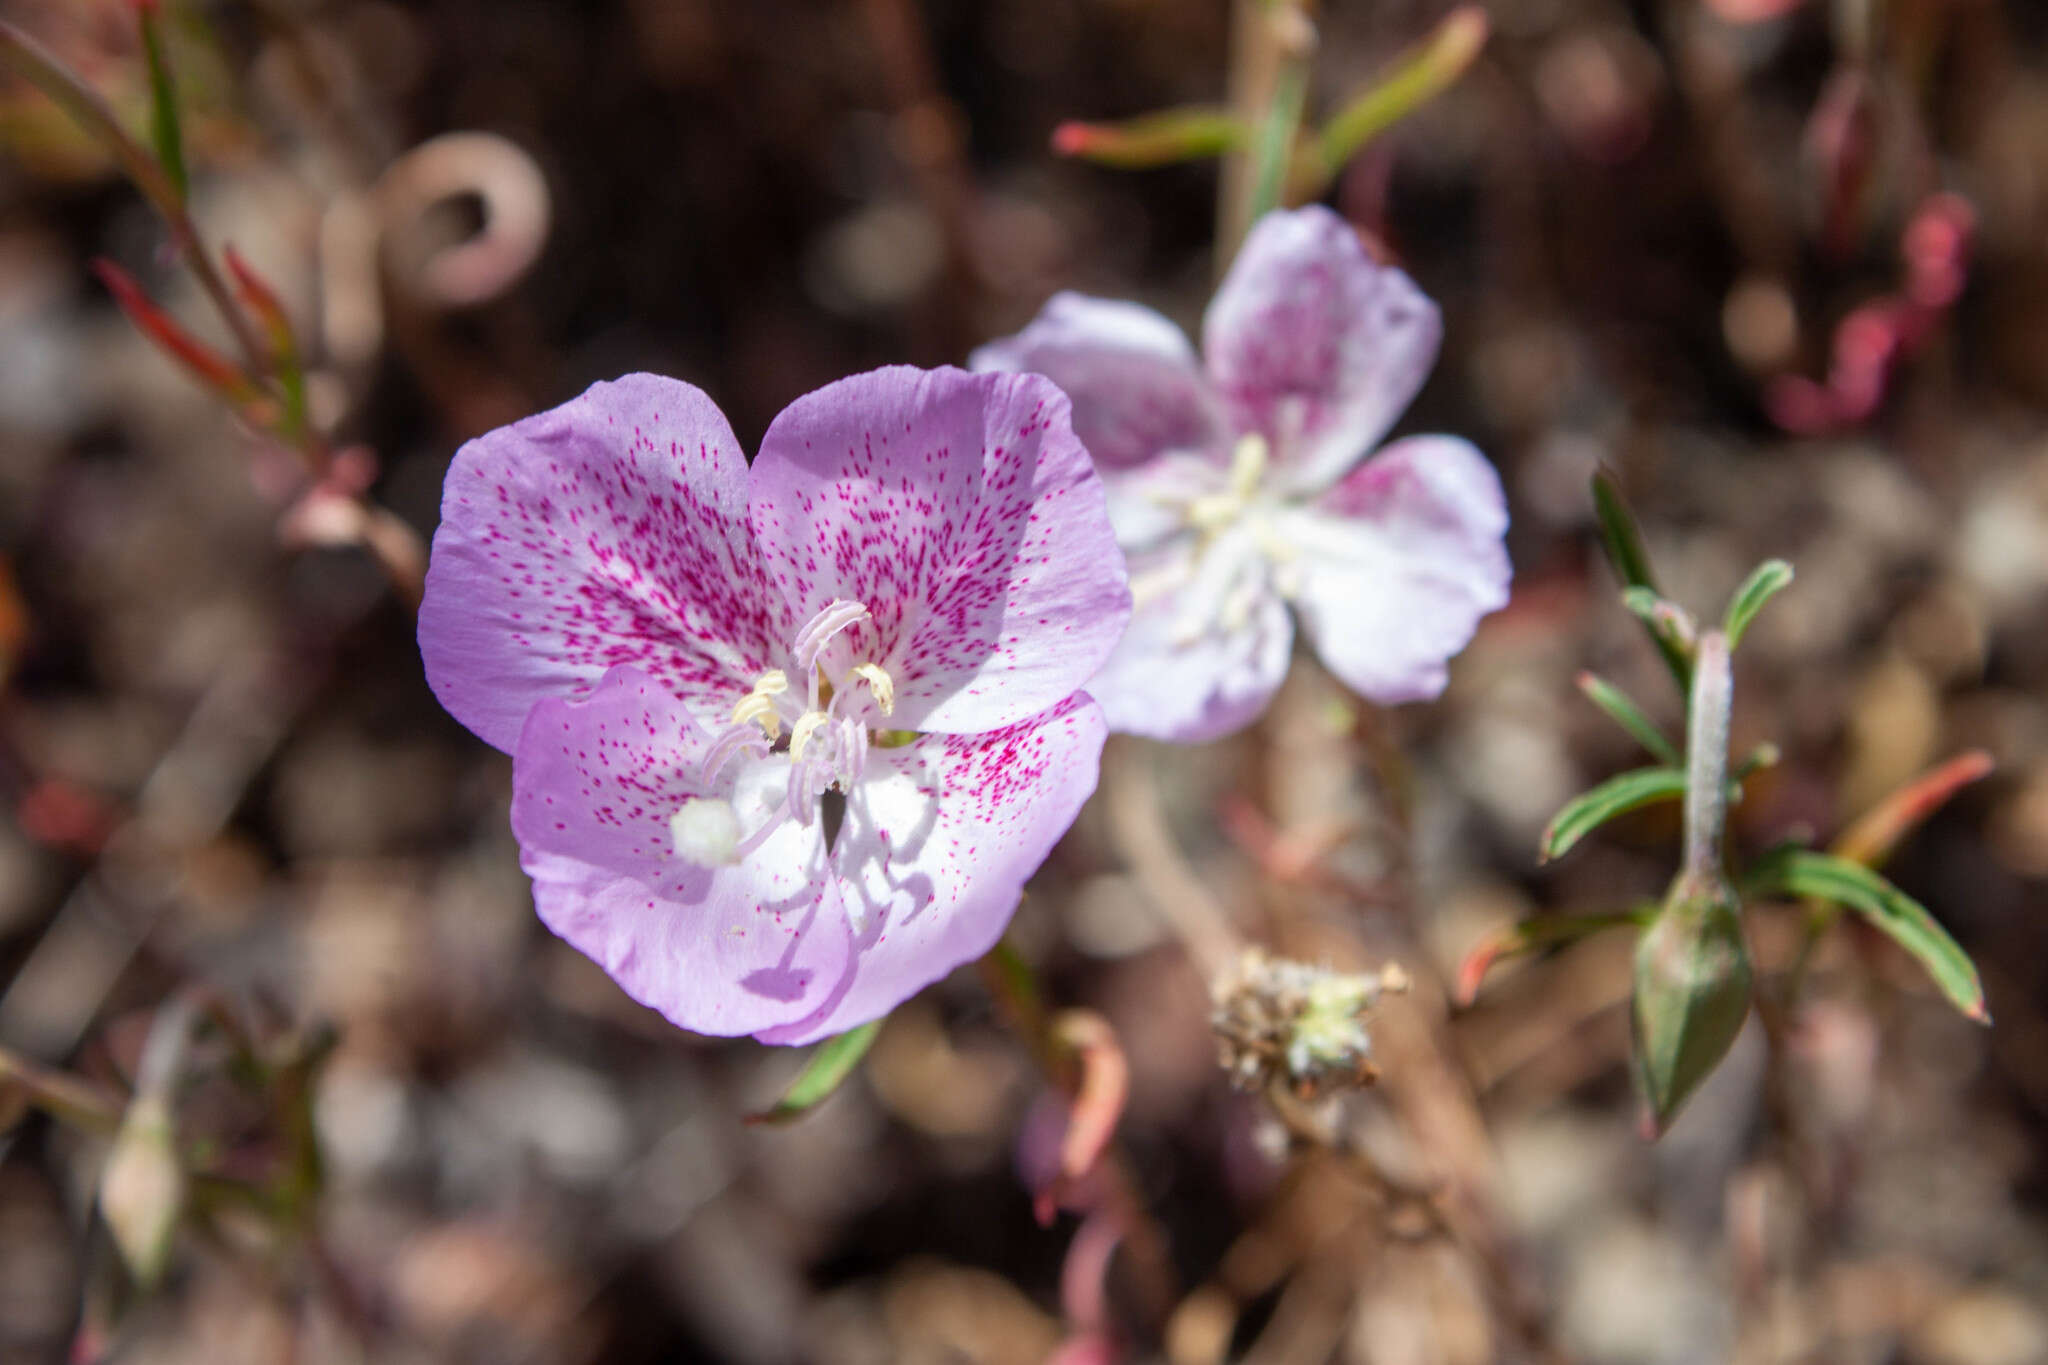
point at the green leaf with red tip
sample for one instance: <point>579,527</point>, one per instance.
<point>1826,877</point>
<point>1170,136</point>
<point>263,303</point>
<point>1879,830</point>
<point>1529,935</point>
<point>1589,810</point>
<point>824,1072</point>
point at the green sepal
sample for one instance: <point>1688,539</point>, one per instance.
<point>1692,994</point>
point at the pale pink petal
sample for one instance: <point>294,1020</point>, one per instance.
<point>1398,563</point>
<point>1207,648</point>
<point>727,951</point>
<point>940,836</point>
<point>1136,389</point>
<point>961,510</point>
<point>1312,344</point>
<point>609,530</point>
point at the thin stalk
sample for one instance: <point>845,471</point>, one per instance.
<point>1706,758</point>
<point>35,64</point>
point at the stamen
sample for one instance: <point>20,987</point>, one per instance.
<point>758,705</point>
<point>706,832</point>
<point>1212,512</point>
<point>834,617</point>
<point>800,734</point>
<point>880,684</point>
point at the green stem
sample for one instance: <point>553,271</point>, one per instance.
<point>1706,757</point>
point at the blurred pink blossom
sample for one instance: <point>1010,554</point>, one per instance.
<point>1239,485</point>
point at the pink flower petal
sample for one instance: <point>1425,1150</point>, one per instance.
<point>961,510</point>
<point>1136,389</point>
<point>1192,667</point>
<point>609,530</point>
<point>728,950</point>
<point>939,838</point>
<point>1315,346</point>
<point>1399,562</point>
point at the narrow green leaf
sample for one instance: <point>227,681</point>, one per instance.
<point>1624,712</point>
<point>164,130</point>
<point>1589,810</point>
<point>1192,133</point>
<point>1619,535</point>
<point>1419,75</point>
<point>1822,876</point>
<point>1763,583</point>
<point>1763,756</point>
<point>1671,629</point>
<point>826,1070</point>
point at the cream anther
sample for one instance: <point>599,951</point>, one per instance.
<point>1212,512</point>
<point>800,734</point>
<point>759,704</point>
<point>880,685</point>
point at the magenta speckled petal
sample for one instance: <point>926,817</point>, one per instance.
<point>1136,389</point>
<point>1186,671</point>
<point>937,844</point>
<point>609,530</point>
<point>1398,564</point>
<point>963,512</point>
<point>730,950</point>
<point>1313,345</point>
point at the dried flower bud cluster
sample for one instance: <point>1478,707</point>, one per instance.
<point>1297,1025</point>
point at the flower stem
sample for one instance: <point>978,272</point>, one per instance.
<point>1706,757</point>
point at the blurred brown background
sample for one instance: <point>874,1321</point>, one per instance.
<point>219,761</point>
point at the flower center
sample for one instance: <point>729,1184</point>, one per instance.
<point>1238,556</point>
<point>1214,513</point>
<point>830,711</point>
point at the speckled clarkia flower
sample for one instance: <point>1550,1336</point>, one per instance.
<point>1237,488</point>
<point>898,603</point>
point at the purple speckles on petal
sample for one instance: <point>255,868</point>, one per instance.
<point>684,653</point>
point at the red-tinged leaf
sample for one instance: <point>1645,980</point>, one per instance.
<point>1102,1086</point>
<point>261,300</point>
<point>1879,830</point>
<point>1160,139</point>
<point>207,365</point>
<point>1524,936</point>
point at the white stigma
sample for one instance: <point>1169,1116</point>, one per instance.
<point>706,832</point>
